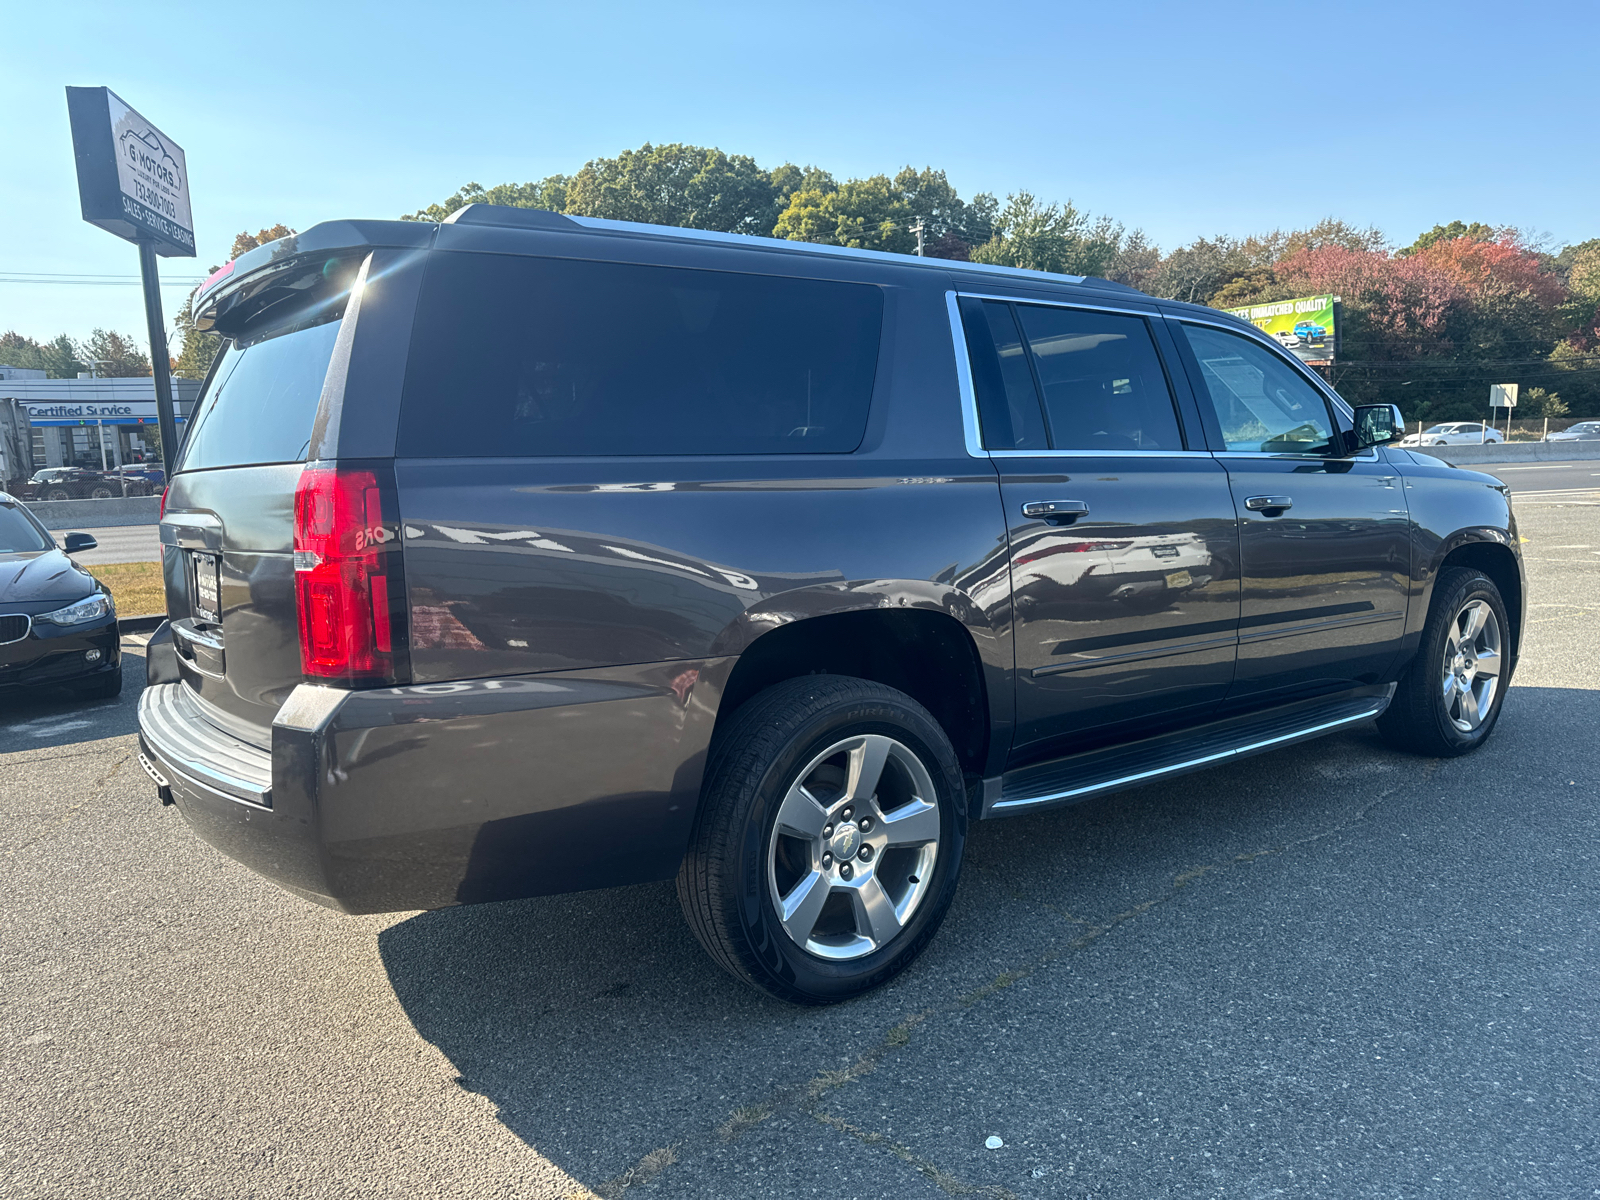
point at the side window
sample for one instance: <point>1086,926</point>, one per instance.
<point>1103,384</point>
<point>516,356</point>
<point>1008,405</point>
<point>1262,403</point>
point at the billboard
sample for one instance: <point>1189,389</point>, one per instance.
<point>1308,327</point>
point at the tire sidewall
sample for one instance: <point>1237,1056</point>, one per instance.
<point>1478,587</point>
<point>776,954</point>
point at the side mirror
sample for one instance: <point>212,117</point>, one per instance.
<point>80,541</point>
<point>1377,425</point>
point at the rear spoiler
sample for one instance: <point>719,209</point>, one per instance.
<point>315,266</point>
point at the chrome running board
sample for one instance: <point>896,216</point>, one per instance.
<point>1082,776</point>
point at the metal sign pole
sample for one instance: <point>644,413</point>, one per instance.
<point>160,365</point>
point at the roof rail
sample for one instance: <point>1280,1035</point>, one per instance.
<point>537,218</point>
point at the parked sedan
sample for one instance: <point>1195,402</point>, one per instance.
<point>58,623</point>
<point>1453,433</point>
<point>1583,431</point>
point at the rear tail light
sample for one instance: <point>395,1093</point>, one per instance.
<point>347,576</point>
<point>161,511</point>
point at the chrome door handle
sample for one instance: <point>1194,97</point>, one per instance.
<point>1064,511</point>
<point>1267,504</point>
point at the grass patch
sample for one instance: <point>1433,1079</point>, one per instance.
<point>136,587</point>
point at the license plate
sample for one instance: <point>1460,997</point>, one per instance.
<point>206,595</point>
<point>1179,579</point>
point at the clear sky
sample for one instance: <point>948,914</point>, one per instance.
<point>1180,118</point>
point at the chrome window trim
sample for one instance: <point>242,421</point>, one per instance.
<point>1141,454</point>
<point>969,393</point>
<point>1093,305</point>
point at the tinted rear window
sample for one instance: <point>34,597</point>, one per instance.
<point>262,401</point>
<point>516,356</point>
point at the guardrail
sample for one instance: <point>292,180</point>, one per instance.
<point>1511,452</point>
<point>97,514</point>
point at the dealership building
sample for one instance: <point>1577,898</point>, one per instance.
<point>83,422</point>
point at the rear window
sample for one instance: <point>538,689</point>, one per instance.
<point>515,356</point>
<point>262,401</point>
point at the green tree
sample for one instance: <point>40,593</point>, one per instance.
<point>867,214</point>
<point>58,358</point>
<point>1477,231</point>
<point>1050,237</point>
<point>548,193</point>
<point>690,186</point>
<point>114,356</point>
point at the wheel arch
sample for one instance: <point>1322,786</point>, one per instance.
<point>926,653</point>
<point>1489,551</point>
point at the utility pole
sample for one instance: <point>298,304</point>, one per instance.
<point>918,230</point>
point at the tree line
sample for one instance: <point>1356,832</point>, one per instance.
<point>1427,326</point>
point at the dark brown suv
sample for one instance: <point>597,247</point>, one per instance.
<point>526,553</point>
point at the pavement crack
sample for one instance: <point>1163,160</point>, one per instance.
<point>947,1183</point>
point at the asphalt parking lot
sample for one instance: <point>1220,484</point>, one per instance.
<point>1327,971</point>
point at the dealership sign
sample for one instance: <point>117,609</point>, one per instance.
<point>92,412</point>
<point>133,180</point>
<point>1308,327</point>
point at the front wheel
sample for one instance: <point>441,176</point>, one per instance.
<point>829,839</point>
<point>1450,695</point>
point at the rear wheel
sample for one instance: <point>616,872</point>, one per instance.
<point>101,492</point>
<point>829,839</point>
<point>1449,698</point>
<point>58,494</point>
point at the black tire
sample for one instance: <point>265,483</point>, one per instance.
<point>723,884</point>
<point>1418,720</point>
<point>104,687</point>
<point>101,492</point>
<point>58,494</point>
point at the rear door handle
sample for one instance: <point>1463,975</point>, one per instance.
<point>1063,511</point>
<point>1268,504</point>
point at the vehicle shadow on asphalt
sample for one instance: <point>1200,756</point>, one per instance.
<point>40,718</point>
<point>602,1032</point>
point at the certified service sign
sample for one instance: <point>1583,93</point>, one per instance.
<point>132,178</point>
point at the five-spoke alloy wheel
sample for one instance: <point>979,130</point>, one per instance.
<point>853,849</point>
<point>1472,658</point>
<point>829,838</point>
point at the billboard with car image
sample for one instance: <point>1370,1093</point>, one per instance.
<point>1307,327</point>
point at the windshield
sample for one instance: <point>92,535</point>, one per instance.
<point>19,534</point>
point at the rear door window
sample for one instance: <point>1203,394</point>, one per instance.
<point>262,400</point>
<point>514,356</point>
<point>1102,380</point>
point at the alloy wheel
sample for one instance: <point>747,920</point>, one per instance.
<point>1472,664</point>
<point>852,852</point>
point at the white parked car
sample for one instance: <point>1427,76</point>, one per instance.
<point>1583,431</point>
<point>1453,433</point>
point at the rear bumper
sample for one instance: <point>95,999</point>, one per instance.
<point>452,793</point>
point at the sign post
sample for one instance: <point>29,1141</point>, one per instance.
<point>133,181</point>
<point>1503,395</point>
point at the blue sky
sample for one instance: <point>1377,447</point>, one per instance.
<point>1183,119</point>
